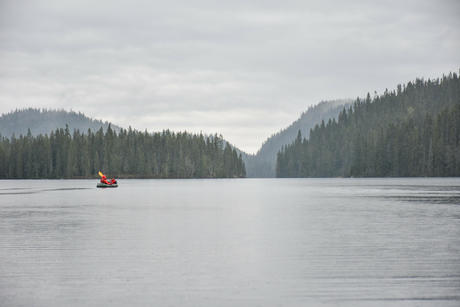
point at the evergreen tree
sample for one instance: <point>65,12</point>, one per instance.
<point>413,131</point>
<point>128,153</point>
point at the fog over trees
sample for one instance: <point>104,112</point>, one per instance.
<point>411,131</point>
<point>263,163</point>
<point>43,121</point>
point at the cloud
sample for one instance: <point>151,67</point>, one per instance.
<point>241,69</point>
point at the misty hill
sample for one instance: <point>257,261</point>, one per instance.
<point>263,163</point>
<point>71,145</point>
<point>43,121</point>
<point>411,131</point>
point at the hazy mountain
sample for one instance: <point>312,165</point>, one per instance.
<point>126,153</point>
<point>263,163</point>
<point>43,121</point>
<point>411,131</point>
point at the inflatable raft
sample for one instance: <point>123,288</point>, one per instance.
<point>104,185</point>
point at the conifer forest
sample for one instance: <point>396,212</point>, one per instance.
<point>127,154</point>
<point>411,131</point>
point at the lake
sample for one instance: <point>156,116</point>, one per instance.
<point>231,242</point>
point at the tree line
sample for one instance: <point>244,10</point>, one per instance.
<point>128,153</point>
<point>411,131</point>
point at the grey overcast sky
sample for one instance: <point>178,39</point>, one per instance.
<point>243,69</point>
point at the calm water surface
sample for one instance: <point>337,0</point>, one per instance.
<point>249,242</point>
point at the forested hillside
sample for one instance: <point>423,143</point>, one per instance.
<point>129,153</point>
<point>263,163</point>
<point>411,131</point>
<point>43,121</point>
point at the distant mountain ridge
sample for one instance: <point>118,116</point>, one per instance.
<point>410,131</point>
<point>263,163</point>
<point>43,121</point>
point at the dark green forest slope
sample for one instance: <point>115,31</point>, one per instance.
<point>263,163</point>
<point>43,121</point>
<point>412,131</point>
<point>129,153</point>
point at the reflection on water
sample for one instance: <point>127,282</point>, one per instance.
<point>251,242</point>
<point>19,191</point>
<point>431,199</point>
<point>432,194</point>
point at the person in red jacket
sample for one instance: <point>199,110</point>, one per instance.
<point>104,180</point>
<point>113,181</point>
